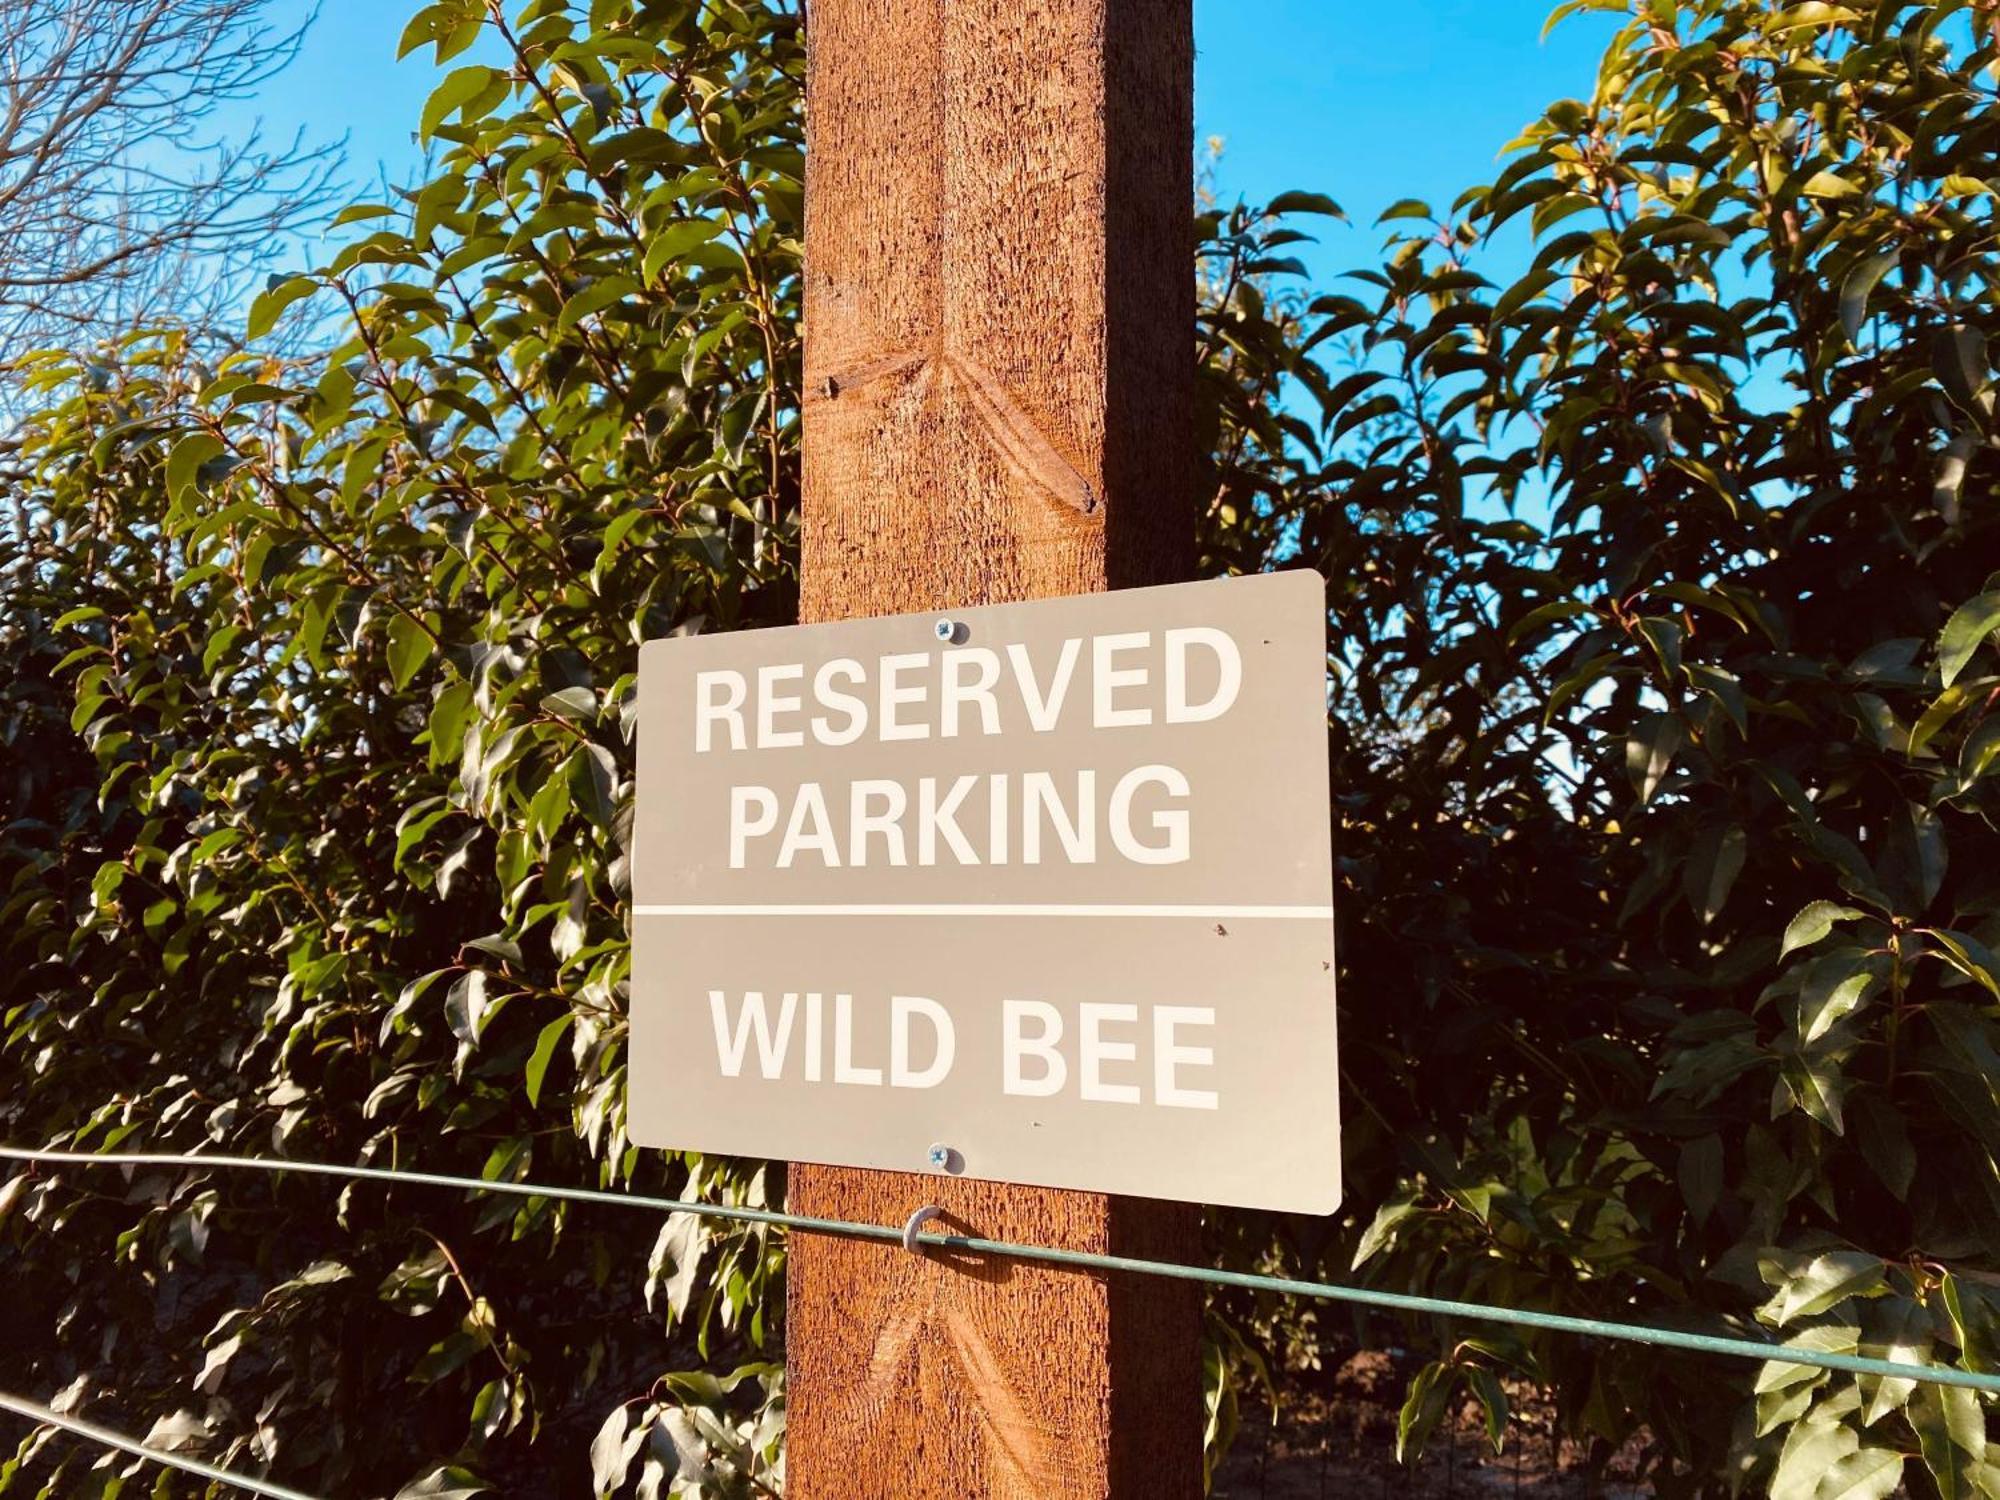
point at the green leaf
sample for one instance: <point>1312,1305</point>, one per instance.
<point>1855,290</point>
<point>1833,987</point>
<point>545,1049</point>
<point>1404,208</point>
<point>577,703</point>
<point>1814,921</point>
<point>458,39</point>
<point>1577,682</point>
<point>466,1006</point>
<point>1296,202</point>
<point>1979,751</point>
<point>567,935</point>
<point>460,87</point>
<point>1970,957</point>
<point>1818,1085</point>
<point>1867,1474</point>
<point>1521,293</point>
<point>409,648</point>
<point>1650,751</point>
<point>1827,1338</point>
<point>1811,1448</point>
<point>613,535</point>
<point>448,1354</point>
<point>490,1409</point>
<point>1700,1174</point>
<point>1492,1397</point>
<point>1664,636</point>
<point>362,468</point>
<point>1970,624</point>
<point>1971,1315</point>
<point>1969,1034</point>
<point>189,454</point>
<point>1382,1228</point>
<point>592,779</point>
<point>594,298</point>
<point>1947,706</point>
<point>1958,356</point>
<point>1899,1330</point>
<point>1915,855</point>
<point>682,1242</point>
<point>1829,185</point>
<point>11,1195</point>
<point>1713,865</point>
<point>1828,1280</point>
<point>674,241</point>
<point>1421,1410</point>
<point>1576,7</point>
<point>496,945</point>
<point>1545,614</point>
<point>452,1482</point>
<point>356,213</point>
<point>611,1452</point>
<point>427,25</point>
<point>548,807</point>
<point>264,310</point>
<point>1951,1429</point>
<point>1884,1140</point>
<point>1782,1409</point>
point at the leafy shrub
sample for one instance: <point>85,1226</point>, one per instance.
<point>350,644</point>
<point>1662,630</point>
<point>1664,616</point>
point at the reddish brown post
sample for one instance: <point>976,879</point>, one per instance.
<point>1000,392</point>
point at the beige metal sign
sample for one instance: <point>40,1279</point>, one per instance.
<point>1035,892</point>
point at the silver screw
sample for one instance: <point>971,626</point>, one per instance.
<point>940,1156</point>
<point>947,630</point>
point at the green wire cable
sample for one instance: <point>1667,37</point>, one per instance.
<point>34,1411</point>
<point>1760,1350</point>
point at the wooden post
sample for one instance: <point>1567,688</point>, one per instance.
<point>1000,391</point>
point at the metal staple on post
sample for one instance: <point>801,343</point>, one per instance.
<point>1761,1350</point>
<point>913,1228</point>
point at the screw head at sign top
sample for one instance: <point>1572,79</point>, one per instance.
<point>951,632</point>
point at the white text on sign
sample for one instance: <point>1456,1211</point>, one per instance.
<point>1092,1050</point>
<point>1138,814</point>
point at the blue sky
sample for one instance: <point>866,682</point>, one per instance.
<point>1367,101</point>
<point>1374,102</point>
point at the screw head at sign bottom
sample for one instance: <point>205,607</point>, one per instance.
<point>943,1159</point>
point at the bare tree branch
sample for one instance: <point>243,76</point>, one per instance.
<point>120,202</point>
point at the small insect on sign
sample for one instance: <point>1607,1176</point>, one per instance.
<point>1034,892</point>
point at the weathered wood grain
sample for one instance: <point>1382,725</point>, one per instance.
<point>999,368</point>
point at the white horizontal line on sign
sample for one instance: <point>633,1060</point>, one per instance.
<point>983,909</point>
